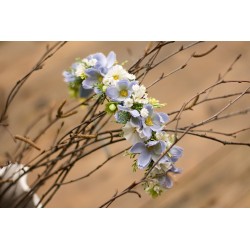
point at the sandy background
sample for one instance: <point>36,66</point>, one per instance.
<point>213,175</point>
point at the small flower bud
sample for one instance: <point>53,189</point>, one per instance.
<point>112,107</point>
<point>104,88</point>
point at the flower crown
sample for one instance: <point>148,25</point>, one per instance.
<point>128,101</point>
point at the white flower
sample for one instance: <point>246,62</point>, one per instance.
<point>157,189</point>
<point>162,136</point>
<point>132,134</point>
<point>165,166</point>
<point>161,168</point>
<point>80,69</point>
<point>139,91</point>
<point>89,63</point>
<point>131,77</point>
<point>92,62</point>
<point>115,74</point>
<point>11,173</point>
<point>136,88</point>
<point>128,102</point>
<point>144,113</point>
<point>139,94</point>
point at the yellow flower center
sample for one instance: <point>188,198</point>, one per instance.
<point>116,77</point>
<point>83,76</point>
<point>100,78</point>
<point>149,121</point>
<point>124,93</point>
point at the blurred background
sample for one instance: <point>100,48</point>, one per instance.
<point>213,175</point>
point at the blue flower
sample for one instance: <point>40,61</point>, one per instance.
<point>93,79</point>
<point>103,63</point>
<point>150,151</point>
<point>121,91</point>
<point>175,153</point>
<point>160,174</point>
<point>165,180</point>
<point>175,170</point>
<point>69,76</point>
<point>96,73</point>
<point>74,83</point>
<point>151,121</point>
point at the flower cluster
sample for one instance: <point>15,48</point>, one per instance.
<point>129,102</point>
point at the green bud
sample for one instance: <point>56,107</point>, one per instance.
<point>112,107</point>
<point>104,88</point>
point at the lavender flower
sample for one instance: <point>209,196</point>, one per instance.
<point>103,63</point>
<point>69,76</point>
<point>93,78</point>
<point>175,153</point>
<point>121,91</point>
<point>151,151</point>
<point>151,121</point>
<point>73,77</point>
<point>165,181</point>
<point>95,74</point>
<point>161,176</point>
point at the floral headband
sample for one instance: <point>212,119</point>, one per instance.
<point>128,101</point>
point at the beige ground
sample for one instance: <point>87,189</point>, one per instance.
<point>213,176</point>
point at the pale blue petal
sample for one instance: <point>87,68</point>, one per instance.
<point>74,65</point>
<point>164,118</point>
<point>144,160</point>
<point>92,72</point>
<point>97,90</point>
<point>176,152</point>
<point>138,148</point>
<point>103,71</point>
<point>122,84</point>
<point>112,93</point>
<point>68,76</point>
<point>134,113</point>
<point>88,83</point>
<point>165,181</point>
<point>156,123</point>
<point>147,132</point>
<point>131,84</point>
<point>159,148</point>
<point>149,108</point>
<point>152,143</point>
<point>101,59</point>
<point>175,170</point>
<point>111,58</point>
